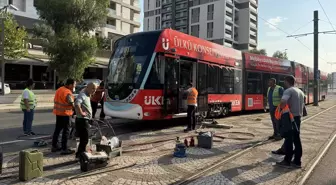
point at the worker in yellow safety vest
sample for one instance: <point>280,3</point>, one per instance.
<point>192,104</point>
<point>63,109</point>
<point>274,94</point>
<point>28,104</point>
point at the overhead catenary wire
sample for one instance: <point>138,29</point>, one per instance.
<point>325,13</point>
<point>276,27</point>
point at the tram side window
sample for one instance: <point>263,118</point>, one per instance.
<point>155,78</point>
<point>213,79</point>
<point>238,83</point>
<point>254,85</point>
<point>226,77</point>
<point>202,78</point>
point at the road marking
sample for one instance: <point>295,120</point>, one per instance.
<point>20,140</point>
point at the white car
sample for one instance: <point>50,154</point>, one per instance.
<point>7,88</point>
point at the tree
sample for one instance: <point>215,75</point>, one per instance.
<point>66,28</point>
<point>14,38</point>
<point>281,55</point>
<point>259,52</point>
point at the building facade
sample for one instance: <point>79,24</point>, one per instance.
<point>232,23</point>
<point>123,18</point>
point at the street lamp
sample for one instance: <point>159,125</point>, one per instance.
<point>2,49</point>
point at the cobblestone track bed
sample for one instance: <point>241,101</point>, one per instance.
<point>257,165</point>
<point>157,166</point>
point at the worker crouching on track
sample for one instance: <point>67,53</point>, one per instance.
<point>83,116</point>
<point>192,104</point>
<point>63,109</point>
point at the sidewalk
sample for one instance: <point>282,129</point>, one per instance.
<point>16,107</point>
<point>147,156</point>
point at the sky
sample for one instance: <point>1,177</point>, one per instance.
<point>280,18</point>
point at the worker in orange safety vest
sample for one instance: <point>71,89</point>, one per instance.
<point>192,104</point>
<point>63,109</point>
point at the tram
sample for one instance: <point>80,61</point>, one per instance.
<point>149,72</point>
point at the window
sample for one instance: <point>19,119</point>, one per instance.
<point>156,76</point>
<point>202,78</point>
<point>195,30</point>
<point>148,1</point>
<point>254,83</point>
<point>158,3</point>
<point>157,23</point>
<point>111,22</point>
<point>210,29</point>
<point>195,15</point>
<point>112,5</point>
<point>210,12</point>
<point>148,24</point>
<point>213,79</point>
<point>11,2</point>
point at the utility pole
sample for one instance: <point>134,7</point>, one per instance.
<point>2,50</point>
<point>316,57</point>
<point>316,34</point>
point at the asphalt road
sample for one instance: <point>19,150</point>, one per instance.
<point>11,133</point>
<point>325,172</point>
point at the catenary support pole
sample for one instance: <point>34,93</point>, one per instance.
<point>316,34</point>
<point>2,50</point>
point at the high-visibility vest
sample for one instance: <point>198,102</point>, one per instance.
<point>192,97</point>
<point>61,105</point>
<point>275,96</point>
<point>31,100</point>
<point>279,112</point>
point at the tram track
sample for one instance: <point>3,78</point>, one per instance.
<point>219,163</point>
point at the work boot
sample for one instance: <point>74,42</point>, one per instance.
<point>271,137</point>
<point>187,130</point>
<point>55,149</point>
<point>67,152</point>
<point>277,138</point>
<point>279,152</point>
<point>284,164</point>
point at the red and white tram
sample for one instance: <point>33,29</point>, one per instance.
<point>149,71</point>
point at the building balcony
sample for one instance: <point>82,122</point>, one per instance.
<point>110,26</point>
<point>165,2</point>
<point>134,5</point>
<point>254,2</point>
<point>253,9</point>
<point>111,12</point>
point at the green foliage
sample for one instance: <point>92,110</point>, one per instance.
<point>259,52</point>
<point>281,55</point>
<point>70,53</point>
<point>14,38</point>
<point>66,33</point>
<point>84,15</point>
<point>103,43</point>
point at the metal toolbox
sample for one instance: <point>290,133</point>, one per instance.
<point>30,164</point>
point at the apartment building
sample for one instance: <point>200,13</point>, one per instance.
<point>123,16</point>
<point>232,23</point>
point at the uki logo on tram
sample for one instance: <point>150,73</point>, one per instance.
<point>153,100</point>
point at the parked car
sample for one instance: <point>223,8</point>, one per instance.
<point>7,88</point>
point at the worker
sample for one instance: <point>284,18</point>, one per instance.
<point>98,97</point>
<point>84,115</point>
<point>274,94</point>
<point>63,109</point>
<point>192,104</point>
<point>28,104</point>
<point>292,97</point>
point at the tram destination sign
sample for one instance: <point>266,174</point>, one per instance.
<point>268,64</point>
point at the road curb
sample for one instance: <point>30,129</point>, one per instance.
<point>18,109</point>
<point>316,162</point>
<point>318,157</point>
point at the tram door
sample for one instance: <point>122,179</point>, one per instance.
<point>171,86</point>
<point>178,74</point>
